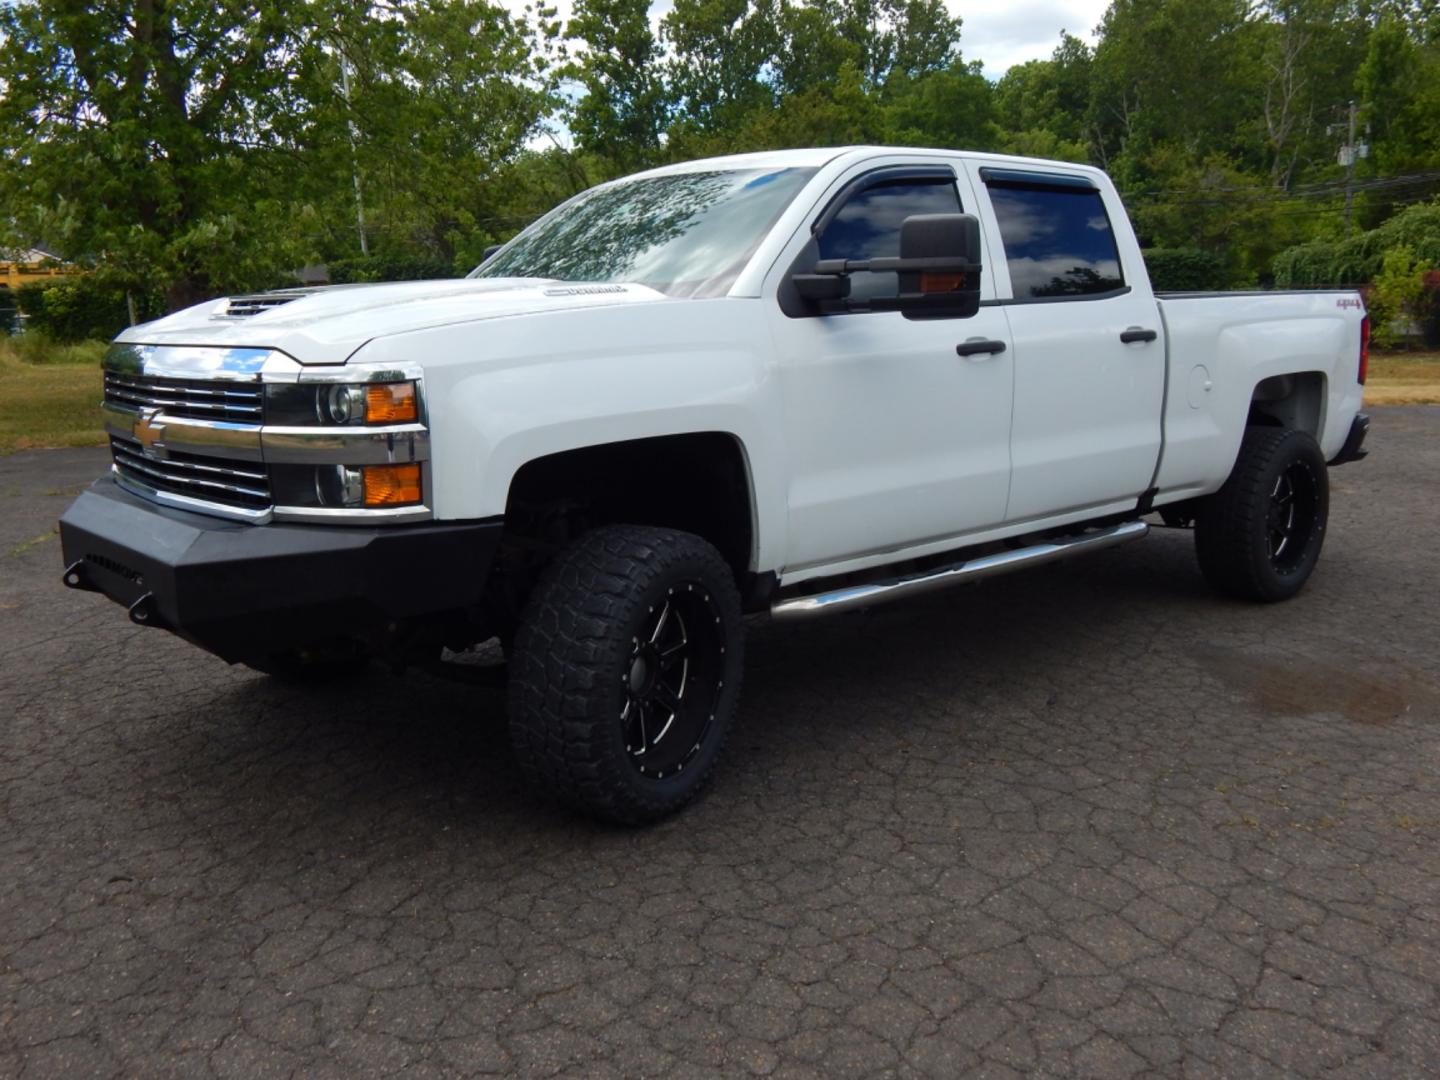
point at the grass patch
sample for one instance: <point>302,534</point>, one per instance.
<point>1403,379</point>
<point>33,348</point>
<point>49,394</point>
<point>21,549</point>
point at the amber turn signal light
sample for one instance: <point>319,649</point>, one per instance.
<point>392,485</point>
<point>390,403</point>
<point>941,283</point>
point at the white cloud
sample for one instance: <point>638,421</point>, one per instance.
<point>1002,34</point>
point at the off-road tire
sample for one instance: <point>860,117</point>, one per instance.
<point>1236,528</point>
<point>576,663</point>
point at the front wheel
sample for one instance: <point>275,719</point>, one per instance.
<point>626,671</point>
<point>1259,536</point>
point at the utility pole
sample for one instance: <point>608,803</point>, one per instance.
<point>1350,153</point>
<point>355,166</point>
<point>1350,156</point>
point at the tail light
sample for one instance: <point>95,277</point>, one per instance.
<point>1364,349</point>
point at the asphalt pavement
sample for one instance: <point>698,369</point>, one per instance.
<point>1085,821</point>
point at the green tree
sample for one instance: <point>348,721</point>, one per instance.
<point>818,38</point>
<point>625,104</point>
<point>1049,95</point>
<point>720,52</point>
<point>925,39</point>
<point>154,140</point>
<point>1178,72</point>
<point>1398,296</point>
<point>1359,259</point>
<point>1309,50</point>
<point>950,107</point>
<point>883,40</point>
<point>837,113</point>
<point>1399,86</point>
<point>1218,207</point>
<point>442,94</point>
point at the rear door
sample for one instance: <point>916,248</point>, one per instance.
<point>1089,345</point>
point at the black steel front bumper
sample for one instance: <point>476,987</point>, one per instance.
<point>243,591</point>
<point>1354,448</point>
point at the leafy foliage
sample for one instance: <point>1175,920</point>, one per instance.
<point>388,268</point>
<point>625,106</point>
<point>1398,295</point>
<point>146,138</point>
<point>441,95</point>
<point>186,149</point>
<point>74,309</point>
<point>1358,259</point>
<point>1184,270</point>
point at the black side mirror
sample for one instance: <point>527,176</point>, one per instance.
<point>947,283</point>
<point>488,252</point>
<point>938,269</point>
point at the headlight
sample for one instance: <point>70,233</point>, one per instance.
<point>309,404</point>
<point>339,485</point>
<point>347,487</point>
<point>340,404</point>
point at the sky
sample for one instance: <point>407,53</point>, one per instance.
<point>1002,33</point>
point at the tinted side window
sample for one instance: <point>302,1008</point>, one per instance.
<point>868,227</point>
<point>1058,241</point>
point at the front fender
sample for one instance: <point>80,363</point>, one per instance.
<point>512,390</point>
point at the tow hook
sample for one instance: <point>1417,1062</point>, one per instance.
<point>75,577</point>
<point>144,612</point>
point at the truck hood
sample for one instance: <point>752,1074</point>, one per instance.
<point>326,325</point>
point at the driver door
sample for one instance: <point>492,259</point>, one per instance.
<point>895,440</point>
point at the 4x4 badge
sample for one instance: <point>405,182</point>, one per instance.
<point>148,433</point>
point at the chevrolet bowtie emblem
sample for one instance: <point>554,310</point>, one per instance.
<point>147,430</point>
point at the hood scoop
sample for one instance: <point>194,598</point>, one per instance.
<point>242,307</point>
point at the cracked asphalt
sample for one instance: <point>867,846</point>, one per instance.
<point>1087,821</point>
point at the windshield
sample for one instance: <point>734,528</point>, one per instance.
<point>685,234</point>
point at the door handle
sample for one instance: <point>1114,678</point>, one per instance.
<point>977,346</point>
<point>1137,333</point>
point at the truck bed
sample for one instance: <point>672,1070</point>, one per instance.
<point>1221,344</point>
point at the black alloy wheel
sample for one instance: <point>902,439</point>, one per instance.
<point>1290,518</point>
<point>674,677</point>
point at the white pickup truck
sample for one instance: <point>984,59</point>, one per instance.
<point>797,382</point>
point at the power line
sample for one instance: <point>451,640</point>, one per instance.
<point>1334,195</point>
<point>1322,211</point>
<point>1330,190</point>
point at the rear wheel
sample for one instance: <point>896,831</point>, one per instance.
<point>1259,536</point>
<point>625,672</point>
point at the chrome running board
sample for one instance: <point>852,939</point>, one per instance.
<point>877,592</point>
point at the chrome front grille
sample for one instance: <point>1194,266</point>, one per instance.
<point>196,398</point>
<point>244,484</point>
<point>211,430</point>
